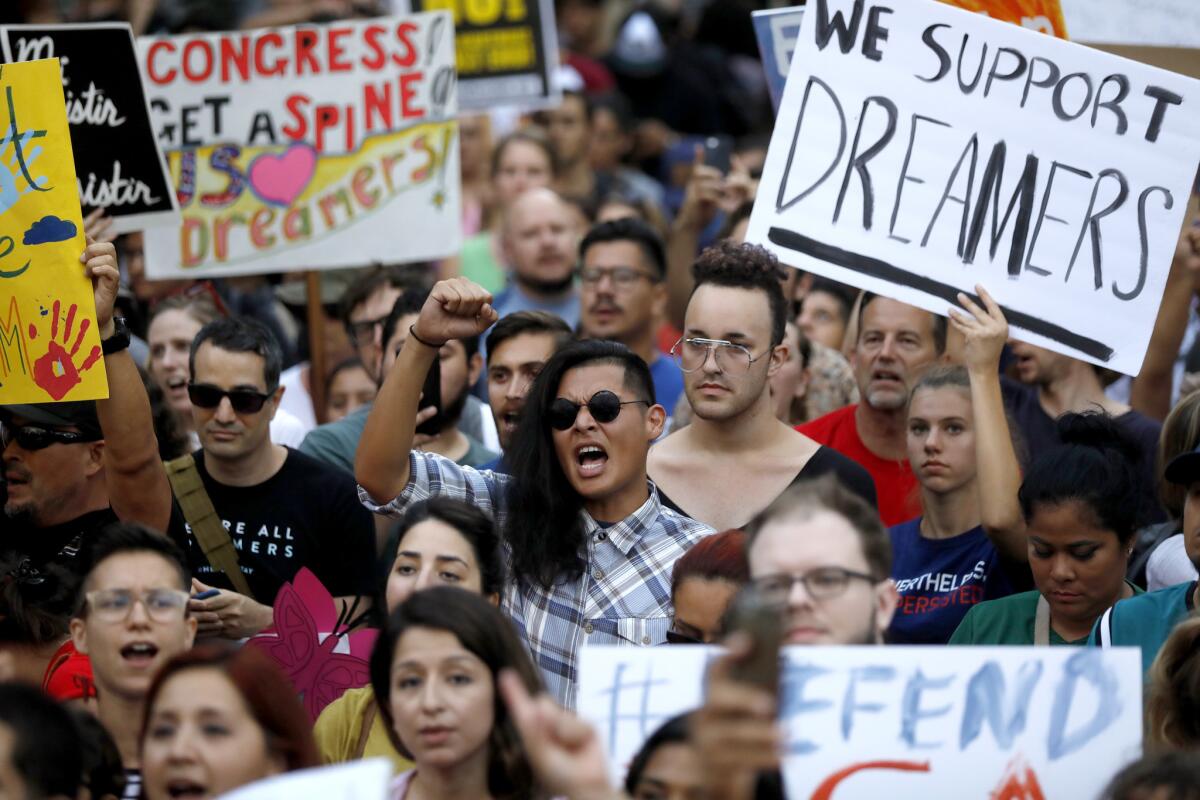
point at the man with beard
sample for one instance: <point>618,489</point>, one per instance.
<point>460,364</point>
<point>518,347</point>
<point>896,342</point>
<point>623,296</point>
<point>539,238</point>
<point>72,468</point>
<point>736,456</point>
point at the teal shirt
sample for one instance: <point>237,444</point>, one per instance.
<point>1008,620</point>
<point>1144,621</point>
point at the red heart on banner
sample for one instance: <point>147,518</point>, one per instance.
<point>280,179</point>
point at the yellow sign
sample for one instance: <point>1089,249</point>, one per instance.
<point>49,343</point>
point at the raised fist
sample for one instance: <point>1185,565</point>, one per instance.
<point>456,309</point>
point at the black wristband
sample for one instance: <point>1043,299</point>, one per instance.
<point>412,330</point>
<point>119,339</point>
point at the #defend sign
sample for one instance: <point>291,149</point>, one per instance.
<point>307,147</point>
<point>921,150</point>
<point>119,165</point>
<point>863,723</point>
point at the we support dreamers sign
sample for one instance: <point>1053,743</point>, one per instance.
<point>306,147</point>
<point>119,165</point>
<point>921,149</point>
<point>49,343</point>
<point>872,722</point>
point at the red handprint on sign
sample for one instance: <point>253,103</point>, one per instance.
<point>56,371</point>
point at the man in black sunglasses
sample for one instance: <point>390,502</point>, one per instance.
<point>590,547</point>
<point>72,468</point>
<point>283,510</point>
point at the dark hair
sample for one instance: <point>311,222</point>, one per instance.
<point>35,605</point>
<point>120,538</point>
<point>530,136</point>
<point>543,527</point>
<point>353,362</point>
<point>407,303</point>
<point>1173,694</point>
<point>267,692</point>
<point>404,277</point>
<point>168,426</point>
<point>242,335</point>
<point>1167,775</point>
<point>938,321</point>
<point>1096,464</point>
<point>102,771</point>
<point>629,229</point>
<point>619,106</point>
<point>843,294</point>
<point>673,731</point>
<point>46,746</point>
<point>721,556</point>
<point>522,322</point>
<point>745,266</point>
<point>803,346</point>
<point>472,523</point>
<point>826,493</point>
<point>1180,434</point>
<point>484,631</point>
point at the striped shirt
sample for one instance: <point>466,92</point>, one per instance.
<point>623,597</point>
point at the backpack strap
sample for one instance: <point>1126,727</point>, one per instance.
<point>1041,622</point>
<point>364,731</point>
<point>205,524</point>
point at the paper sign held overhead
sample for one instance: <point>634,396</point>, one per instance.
<point>307,147</point>
<point>920,150</point>
<point>117,160</point>
<point>863,723</point>
<point>49,343</point>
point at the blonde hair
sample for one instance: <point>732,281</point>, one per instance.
<point>1173,695</point>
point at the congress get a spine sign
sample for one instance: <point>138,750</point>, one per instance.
<point>306,147</point>
<point>921,150</point>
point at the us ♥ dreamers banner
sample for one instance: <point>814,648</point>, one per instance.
<point>49,342</point>
<point>307,147</point>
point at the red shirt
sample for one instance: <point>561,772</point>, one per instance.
<point>896,486</point>
<point>68,676</point>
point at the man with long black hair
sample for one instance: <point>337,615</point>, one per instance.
<point>591,549</point>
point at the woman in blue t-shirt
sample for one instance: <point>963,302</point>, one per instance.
<point>969,545</point>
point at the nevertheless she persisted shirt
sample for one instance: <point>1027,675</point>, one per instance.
<point>306,515</point>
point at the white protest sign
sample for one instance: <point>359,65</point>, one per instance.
<point>921,149</point>
<point>903,722</point>
<point>356,780</point>
<point>306,147</point>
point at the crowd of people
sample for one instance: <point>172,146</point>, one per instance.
<point>635,420</point>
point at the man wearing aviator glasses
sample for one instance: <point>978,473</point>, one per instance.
<point>591,549</point>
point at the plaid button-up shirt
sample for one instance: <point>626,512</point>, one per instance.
<point>624,597</point>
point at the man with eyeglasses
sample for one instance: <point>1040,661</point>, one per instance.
<point>132,618</point>
<point>590,547</point>
<point>623,296</point>
<point>71,468</point>
<point>282,509</point>
<point>364,307</point>
<point>736,456</point>
<point>820,554</point>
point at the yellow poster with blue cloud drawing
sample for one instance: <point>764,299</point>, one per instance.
<point>49,341</point>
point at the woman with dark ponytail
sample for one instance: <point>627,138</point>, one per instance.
<point>1082,504</point>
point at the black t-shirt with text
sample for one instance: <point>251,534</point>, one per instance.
<point>305,515</point>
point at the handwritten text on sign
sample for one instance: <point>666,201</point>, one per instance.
<point>307,147</point>
<point>920,150</point>
<point>868,722</point>
<point>49,345</point>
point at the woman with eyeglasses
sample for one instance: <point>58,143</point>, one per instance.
<point>218,718</point>
<point>439,542</point>
<point>703,584</point>
<point>969,545</point>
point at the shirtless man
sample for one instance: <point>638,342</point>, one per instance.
<point>736,456</point>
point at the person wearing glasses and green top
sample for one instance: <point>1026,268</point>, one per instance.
<point>623,296</point>
<point>132,618</point>
<point>282,509</point>
<point>736,457</point>
<point>590,547</point>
